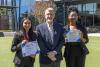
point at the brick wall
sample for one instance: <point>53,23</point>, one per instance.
<point>4,22</point>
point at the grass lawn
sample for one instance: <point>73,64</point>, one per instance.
<point>6,56</point>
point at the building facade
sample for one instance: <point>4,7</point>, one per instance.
<point>89,11</point>
<point>8,15</point>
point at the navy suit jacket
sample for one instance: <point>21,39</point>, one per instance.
<point>45,43</point>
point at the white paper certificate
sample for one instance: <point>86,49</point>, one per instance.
<point>73,36</point>
<point>30,48</point>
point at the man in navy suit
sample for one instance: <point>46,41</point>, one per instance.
<point>50,40</point>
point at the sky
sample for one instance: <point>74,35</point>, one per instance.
<point>26,5</point>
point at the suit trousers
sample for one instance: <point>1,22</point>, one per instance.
<point>52,64</point>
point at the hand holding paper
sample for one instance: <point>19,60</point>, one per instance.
<point>73,36</point>
<point>30,48</point>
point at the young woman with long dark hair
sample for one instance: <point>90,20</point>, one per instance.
<point>25,35</point>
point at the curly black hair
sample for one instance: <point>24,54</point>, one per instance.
<point>71,9</point>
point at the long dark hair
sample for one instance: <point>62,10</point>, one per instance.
<point>30,32</point>
<point>71,9</point>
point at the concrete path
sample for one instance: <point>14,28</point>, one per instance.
<point>94,34</point>
<point>12,34</point>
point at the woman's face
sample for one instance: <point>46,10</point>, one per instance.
<point>73,16</point>
<point>26,24</point>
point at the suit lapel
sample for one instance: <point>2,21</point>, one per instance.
<point>47,34</point>
<point>56,33</point>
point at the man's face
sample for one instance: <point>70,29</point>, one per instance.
<point>49,14</point>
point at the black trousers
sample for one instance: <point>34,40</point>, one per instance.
<point>52,64</point>
<point>75,57</point>
<point>26,62</point>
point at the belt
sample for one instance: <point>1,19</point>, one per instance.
<point>73,43</point>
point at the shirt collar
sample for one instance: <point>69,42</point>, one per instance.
<point>49,24</point>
